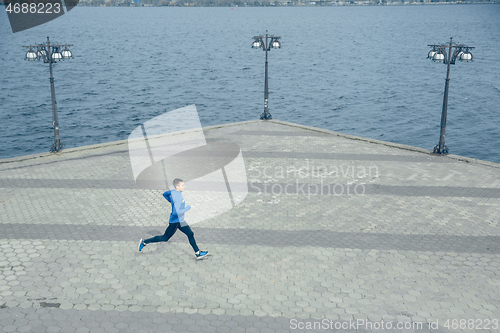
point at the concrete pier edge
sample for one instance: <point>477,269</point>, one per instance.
<point>282,122</point>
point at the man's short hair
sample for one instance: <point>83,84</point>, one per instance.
<point>177,181</point>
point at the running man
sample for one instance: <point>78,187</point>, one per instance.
<point>176,220</point>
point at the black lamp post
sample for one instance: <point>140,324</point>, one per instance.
<point>51,53</point>
<point>270,41</point>
<point>448,53</point>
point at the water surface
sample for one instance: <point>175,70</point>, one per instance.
<point>358,70</point>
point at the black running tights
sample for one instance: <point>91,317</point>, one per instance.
<point>172,228</point>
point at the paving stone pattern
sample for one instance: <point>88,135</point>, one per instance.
<point>421,244</point>
<point>275,238</point>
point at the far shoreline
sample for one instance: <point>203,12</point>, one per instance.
<point>240,4</point>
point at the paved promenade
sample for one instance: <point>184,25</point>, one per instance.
<point>337,234</point>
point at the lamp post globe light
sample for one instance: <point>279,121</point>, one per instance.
<point>448,54</point>
<point>50,53</point>
<point>266,42</point>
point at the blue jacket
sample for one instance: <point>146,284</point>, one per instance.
<point>178,206</point>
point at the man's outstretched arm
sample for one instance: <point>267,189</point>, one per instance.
<point>182,211</point>
<point>177,202</point>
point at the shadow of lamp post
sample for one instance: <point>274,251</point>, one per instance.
<point>447,53</point>
<point>270,41</point>
<point>50,53</point>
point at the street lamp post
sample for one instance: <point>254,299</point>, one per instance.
<point>448,53</point>
<point>51,53</point>
<point>270,41</point>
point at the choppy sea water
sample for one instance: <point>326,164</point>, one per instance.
<point>357,70</point>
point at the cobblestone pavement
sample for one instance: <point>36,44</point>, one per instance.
<point>337,234</point>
